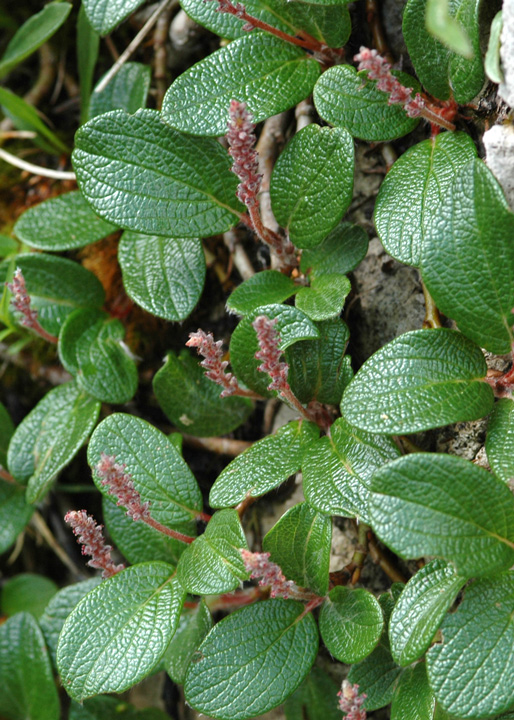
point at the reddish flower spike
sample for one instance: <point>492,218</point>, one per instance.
<point>268,573</point>
<point>212,353</point>
<point>269,352</point>
<point>241,138</point>
<point>350,701</point>
<point>89,535</point>
<point>121,485</point>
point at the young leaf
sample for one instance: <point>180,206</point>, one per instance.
<point>15,513</point>
<point>442,71</point>
<point>492,62</point>
<point>312,183</point>
<point>50,436</point>
<point>340,252</point>
<point>250,70</point>
<point>350,623</point>
<point>105,15</point>
<point>159,473</point>
<point>27,688</point>
<point>26,592</point>
<point>325,297</point>
<point>33,33</point>
<point>414,189</point>
<point>127,91</point>
<point>138,542</point>
<point>91,347</point>
<point>192,629</point>
<point>8,246</point>
<point>271,634</point>
<point>292,325</point>
<point>88,42</point>
<point>348,99</point>
<point>300,543</point>
<point>198,409</point>
<point>57,287</point>
<point>266,464</point>
<point>6,432</point>
<point>58,609</point>
<point>424,504</point>
<point>499,443</point>
<point>377,676</point>
<point>318,369</point>
<point>414,698</point>
<point>420,609</point>
<point>314,699</point>
<point>119,631</point>
<point>263,288</point>
<point>420,380</point>
<point>468,258</point>
<point>337,470</point>
<point>62,223</point>
<point>138,173</point>
<point>26,117</point>
<point>213,562</point>
<point>165,276</point>
<point>470,669</point>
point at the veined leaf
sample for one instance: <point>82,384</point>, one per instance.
<point>340,252</point>
<point>414,698</point>
<point>325,297</point>
<point>250,70</point>
<point>499,443</point>
<point>314,699</point>
<point>425,504</point>
<point>194,625</point>
<point>377,676</point>
<point>126,91</point>
<point>105,15</point>
<point>15,513</point>
<point>263,288</point>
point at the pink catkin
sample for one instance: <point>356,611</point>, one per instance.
<point>350,701</point>
<point>268,573</point>
<point>380,70</point>
<point>241,138</point>
<point>212,353</point>
<point>21,300</point>
<point>89,535</point>
<point>120,484</point>
<point>269,352</point>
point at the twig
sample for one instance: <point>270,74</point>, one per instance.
<point>218,445</point>
<point>35,169</point>
<point>4,475</point>
<point>241,260</point>
<point>40,526</point>
<point>17,135</point>
<point>160,38</point>
<point>134,44</point>
<point>432,318</point>
<point>244,505</point>
<point>45,78</point>
<point>303,114</point>
<point>360,554</point>
<point>380,559</point>
<point>377,31</point>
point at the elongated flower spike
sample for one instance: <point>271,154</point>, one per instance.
<point>90,536</point>
<point>350,701</point>
<point>21,302</point>
<point>269,352</point>
<point>213,362</point>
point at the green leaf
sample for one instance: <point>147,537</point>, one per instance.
<point>340,252</point>
<point>420,380</point>
<point>414,189</point>
<point>325,297</point>
<point>138,542</point>
<point>348,99</point>
<point>499,443</point>
<point>468,258</point>
<point>350,623</point>
<point>165,276</point>
<point>414,698</point>
<point>263,288</point>
<point>213,562</point>
<point>127,91</point>
<point>15,513</point>
<point>377,676</point>
<point>27,688</point>
<point>471,670</point>
<point>266,73</point>
<point>26,117</point>
<point>26,592</point>
<point>105,15</point>
<point>62,223</point>
<point>425,504</point>
<point>6,432</point>
<point>314,699</point>
<point>58,609</point>
<point>292,325</point>
<point>50,436</point>
<point>337,470</point>
<point>198,409</point>
<point>492,62</point>
<point>441,70</point>
<point>88,42</point>
<point>447,29</point>
<point>8,245</point>
<point>265,465</point>
<point>317,368</point>
<point>33,33</point>
<point>158,471</point>
<point>58,286</point>
<point>312,183</point>
<point>225,680</point>
<point>102,707</point>
<point>420,610</point>
<point>300,543</point>
<point>119,631</point>
<point>91,347</point>
<point>181,186</point>
<point>193,627</point>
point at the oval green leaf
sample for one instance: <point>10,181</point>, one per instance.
<point>325,297</point>
<point>127,91</point>
<point>105,15</point>
<point>194,625</point>
<point>15,513</point>
<point>414,698</point>
<point>263,288</point>
<point>499,443</point>
<point>340,252</point>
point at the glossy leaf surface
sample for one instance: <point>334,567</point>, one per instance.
<point>192,629</point>
<point>314,699</point>
<point>414,698</point>
<point>340,252</point>
<point>499,443</point>
<point>263,288</point>
<point>267,634</point>
<point>377,676</point>
<point>420,380</point>
<point>127,91</point>
<point>425,504</point>
<point>15,513</point>
<point>105,15</point>
<point>325,297</point>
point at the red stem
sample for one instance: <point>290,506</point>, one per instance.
<point>4,475</point>
<point>167,531</point>
<point>42,332</point>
